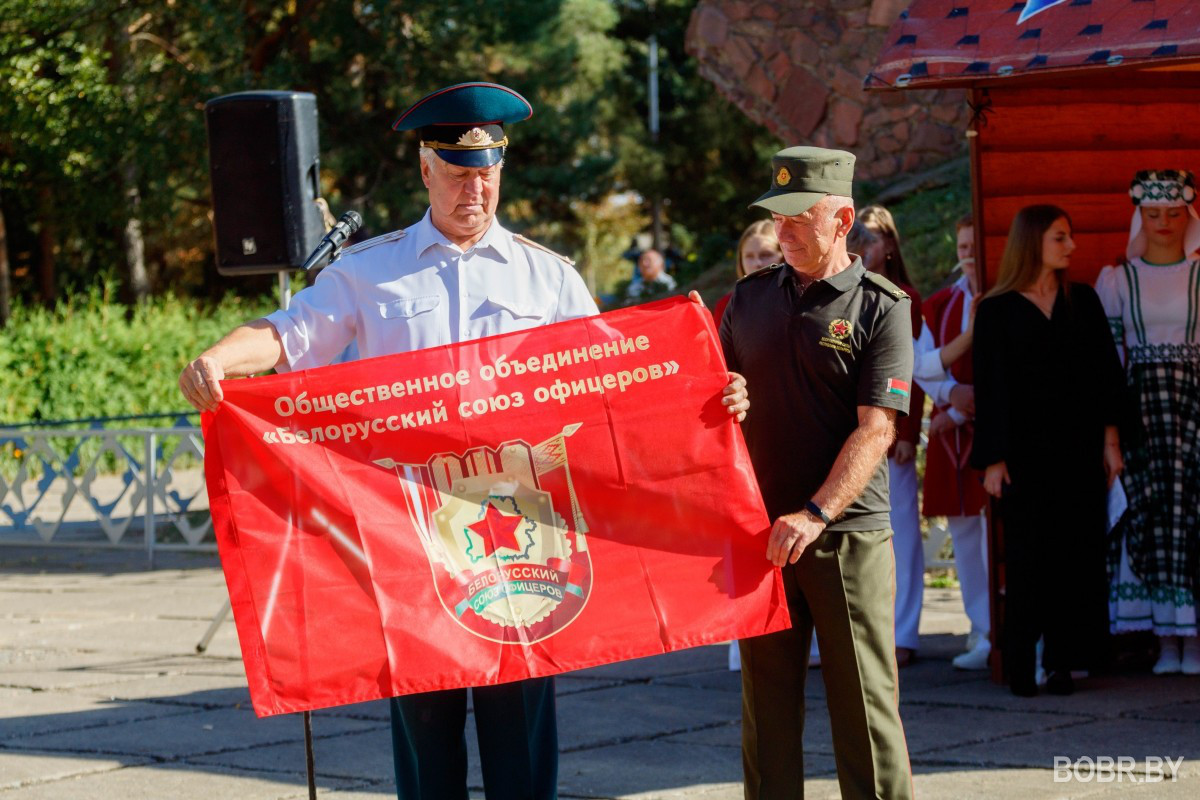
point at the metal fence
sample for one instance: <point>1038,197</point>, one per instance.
<point>134,487</point>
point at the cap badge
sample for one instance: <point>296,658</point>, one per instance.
<point>784,177</point>
<point>476,137</point>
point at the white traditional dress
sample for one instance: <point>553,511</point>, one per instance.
<point>1154,556</point>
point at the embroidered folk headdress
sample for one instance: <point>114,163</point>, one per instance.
<point>1164,188</point>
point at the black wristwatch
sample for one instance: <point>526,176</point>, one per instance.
<point>816,511</point>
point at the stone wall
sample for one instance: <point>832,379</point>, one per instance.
<point>797,67</point>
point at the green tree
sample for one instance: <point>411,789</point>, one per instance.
<point>103,155</point>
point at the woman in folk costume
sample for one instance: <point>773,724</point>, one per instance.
<point>877,241</point>
<point>952,488</point>
<point>1152,301</point>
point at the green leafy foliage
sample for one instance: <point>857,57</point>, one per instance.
<point>926,222</point>
<point>101,101</point>
<point>91,357</point>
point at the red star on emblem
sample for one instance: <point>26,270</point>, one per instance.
<point>840,329</point>
<point>497,530</point>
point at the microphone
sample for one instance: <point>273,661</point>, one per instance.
<point>345,227</point>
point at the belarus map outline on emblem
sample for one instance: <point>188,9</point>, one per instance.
<point>504,535</point>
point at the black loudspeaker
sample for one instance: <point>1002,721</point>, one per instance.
<point>264,169</point>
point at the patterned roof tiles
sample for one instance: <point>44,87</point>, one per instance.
<point>967,41</point>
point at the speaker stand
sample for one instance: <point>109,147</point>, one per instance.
<point>285,300</point>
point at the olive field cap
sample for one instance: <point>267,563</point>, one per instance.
<point>800,176</point>
<point>464,123</point>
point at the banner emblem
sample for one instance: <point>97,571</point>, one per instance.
<point>504,535</point>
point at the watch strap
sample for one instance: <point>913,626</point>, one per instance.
<point>817,512</point>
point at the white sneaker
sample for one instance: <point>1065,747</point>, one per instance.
<point>1168,660</point>
<point>1190,663</point>
<point>976,658</point>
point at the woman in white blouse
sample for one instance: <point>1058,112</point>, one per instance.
<point>1152,302</point>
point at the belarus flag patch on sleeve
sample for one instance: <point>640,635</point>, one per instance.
<point>897,386</point>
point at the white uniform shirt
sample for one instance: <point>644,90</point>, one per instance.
<point>1153,309</point>
<point>413,289</point>
<point>928,371</point>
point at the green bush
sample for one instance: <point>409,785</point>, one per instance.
<point>92,357</point>
<point>925,219</point>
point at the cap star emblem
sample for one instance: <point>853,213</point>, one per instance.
<point>497,530</point>
<point>476,137</point>
<point>783,177</point>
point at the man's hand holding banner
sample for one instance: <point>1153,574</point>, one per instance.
<point>504,508</point>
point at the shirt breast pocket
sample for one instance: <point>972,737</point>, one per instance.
<point>409,307</point>
<point>513,313</point>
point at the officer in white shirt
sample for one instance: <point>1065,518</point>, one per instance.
<point>455,276</point>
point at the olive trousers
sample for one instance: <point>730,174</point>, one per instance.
<point>844,585</point>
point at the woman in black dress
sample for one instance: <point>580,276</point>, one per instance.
<point>1048,397</point>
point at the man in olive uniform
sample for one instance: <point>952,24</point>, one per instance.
<point>826,349</point>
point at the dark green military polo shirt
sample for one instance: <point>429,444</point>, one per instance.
<point>810,359</point>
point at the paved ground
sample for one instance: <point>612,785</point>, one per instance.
<point>102,696</point>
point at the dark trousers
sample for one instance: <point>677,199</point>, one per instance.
<point>518,742</point>
<point>1055,583</point>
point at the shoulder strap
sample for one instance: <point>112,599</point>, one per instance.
<point>530,243</point>
<point>762,273</point>
<point>883,283</point>
<point>394,236</point>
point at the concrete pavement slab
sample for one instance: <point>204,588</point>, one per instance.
<point>1177,711</point>
<point>149,635</point>
<point>193,732</point>
<point>657,769</point>
<point>372,710</point>
<point>697,659</point>
<point>190,688</point>
<point>966,783</point>
<point>640,712</point>
<point>24,713</point>
<point>1077,737</point>
<point>25,769</point>
<point>1104,695</point>
<point>721,680</point>
<point>174,781</point>
<point>358,755</point>
<point>931,730</point>
<point>1183,789</point>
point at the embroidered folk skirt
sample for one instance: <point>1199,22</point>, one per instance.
<point>1154,551</point>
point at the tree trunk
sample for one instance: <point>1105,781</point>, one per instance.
<point>47,242</point>
<point>5,280</point>
<point>135,246</point>
<point>132,240</point>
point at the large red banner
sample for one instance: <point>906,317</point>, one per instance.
<point>511,507</point>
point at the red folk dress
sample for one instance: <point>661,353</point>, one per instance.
<point>951,487</point>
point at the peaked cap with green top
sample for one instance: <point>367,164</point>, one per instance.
<point>800,176</point>
<point>464,123</point>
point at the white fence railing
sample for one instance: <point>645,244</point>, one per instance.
<point>127,488</point>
